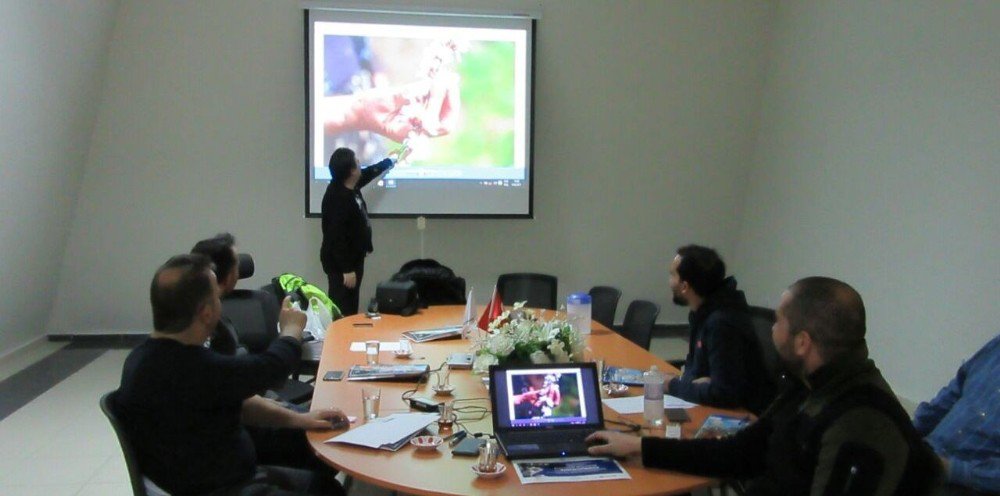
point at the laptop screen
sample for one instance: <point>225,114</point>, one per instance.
<point>545,396</point>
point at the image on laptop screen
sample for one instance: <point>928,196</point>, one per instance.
<point>546,397</point>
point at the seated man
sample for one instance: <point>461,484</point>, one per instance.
<point>837,429</point>
<point>962,425</point>
<point>185,406</point>
<point>724,366</point>
<point>284,446</point>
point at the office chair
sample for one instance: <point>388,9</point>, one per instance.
<point>763,319</point>
<point>604,304</point>
<point>639,320</point>
<point>254,314</point>
<point>141,486</point>
<point>538,290</point>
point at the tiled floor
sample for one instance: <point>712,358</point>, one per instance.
<point>60,444</point>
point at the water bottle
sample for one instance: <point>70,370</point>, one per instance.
<point>652,382</point>
<point>578,312</point>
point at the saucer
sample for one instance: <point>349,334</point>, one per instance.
<point>443,390</point>
<point>402,354</point>
<point>501,468</point>
<point>615,389</point>
<point>426,443</point>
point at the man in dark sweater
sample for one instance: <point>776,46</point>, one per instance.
<point>724,365</point>
<point>184,405</point>
<point>836,429</point>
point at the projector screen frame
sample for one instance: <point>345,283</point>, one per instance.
<point>311,183</point>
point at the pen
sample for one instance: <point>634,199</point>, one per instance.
<point>456,438</point>
<point>362,324</point>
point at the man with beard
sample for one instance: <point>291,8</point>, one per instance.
<point>724,366</point>
<point>836,428</point>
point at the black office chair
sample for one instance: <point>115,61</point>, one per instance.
<point>763,319</point>
<point>640,317</point>
<point>140,485</point>
<point>538,290</point>
<point>604,304</point>
<point>254,314</point>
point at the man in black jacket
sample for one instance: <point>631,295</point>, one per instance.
<point>347,232</point>
<point>836,429</point>
<point>724,366</point>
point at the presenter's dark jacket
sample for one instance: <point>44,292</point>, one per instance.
<point>347,234</point>
<point>842,432</point>
<point>723,347</point>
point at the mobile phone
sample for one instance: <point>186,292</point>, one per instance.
<point>333,375</point>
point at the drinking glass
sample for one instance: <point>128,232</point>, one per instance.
<point>370,397</point>
<point>371,352</point>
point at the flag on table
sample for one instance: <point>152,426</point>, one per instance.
<point>493,310</point>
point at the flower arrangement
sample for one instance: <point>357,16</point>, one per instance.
<point>519,336</point>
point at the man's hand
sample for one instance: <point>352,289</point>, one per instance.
<point>350,280</point>
<point>946,463</point>
<point>327,418</point>
<point>291,321</point>
<point>617,444</point>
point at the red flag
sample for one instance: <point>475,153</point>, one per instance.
<point>493,310</point>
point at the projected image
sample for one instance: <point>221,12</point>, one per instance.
<point>547,397</point>
<point>448,94</point>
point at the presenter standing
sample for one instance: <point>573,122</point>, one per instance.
<point>347,233</point>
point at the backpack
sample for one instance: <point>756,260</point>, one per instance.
<point>436,283</point>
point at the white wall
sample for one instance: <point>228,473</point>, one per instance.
<point>52,58</point>
<point>877,163</point>
<point>643,119</point>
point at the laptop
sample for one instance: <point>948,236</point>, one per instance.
<point>545,411</point>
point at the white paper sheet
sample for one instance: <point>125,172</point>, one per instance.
<point>382,346</point>
<point>385,431</point>
<point>633,404</point>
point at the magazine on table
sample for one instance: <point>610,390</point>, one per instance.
<point>717,426</point>
<point>425,335</point>
<point>573,469</point>
<point>386,372</point>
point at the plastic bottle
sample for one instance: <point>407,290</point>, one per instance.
<point>652,382</point>
<point>578,312</point>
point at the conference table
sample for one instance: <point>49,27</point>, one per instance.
<point>411,471</point>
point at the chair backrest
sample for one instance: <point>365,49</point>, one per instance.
<point>604,304</point>
<point>131,461</point>
<point>254,314</point>
<point>436,284</point>
<point>763,319</point>
<point>639,320</point>
<point>538,290</point>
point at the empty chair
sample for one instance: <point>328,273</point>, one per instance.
<point>538,290</point>
<point>604,304</point>
<point>639,320</point>
<point>141,486</point>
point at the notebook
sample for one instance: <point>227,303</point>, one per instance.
<point>425,335</point>
<point>545,411</point>
<point>386,372</point>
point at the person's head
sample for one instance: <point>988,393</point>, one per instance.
<point>343,165</point>
<point>221,249</point>
<point>695,272</point>
<point>185,294</point>
<point>818,320</point>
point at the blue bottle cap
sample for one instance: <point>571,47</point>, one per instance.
<point>578,299</point>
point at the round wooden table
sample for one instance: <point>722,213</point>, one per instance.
<point>438,472</point>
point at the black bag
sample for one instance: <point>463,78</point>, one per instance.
<point>397,297</point>
<point>436,283</point>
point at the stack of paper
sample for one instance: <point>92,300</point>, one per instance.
<point>633,404</point>
<point>388,433</point>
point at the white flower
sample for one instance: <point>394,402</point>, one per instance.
<point>559,353</point>
<point>539,356</point>
<point>481,364</point>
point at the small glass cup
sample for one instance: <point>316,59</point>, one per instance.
<point>370,398</point>
<point>447,410</point>
<point>371,352</point>
<point>404,347</point>
<point>488,453</point>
